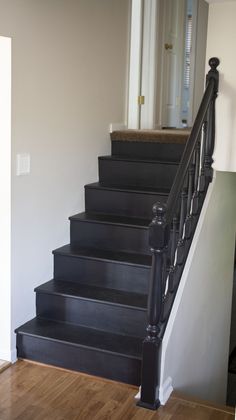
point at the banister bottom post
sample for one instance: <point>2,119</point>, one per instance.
<point>149,389</point>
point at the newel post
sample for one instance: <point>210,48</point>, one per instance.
<point>209,127</point>
<point>159,233</point>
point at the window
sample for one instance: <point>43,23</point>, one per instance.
<point>188,42</point>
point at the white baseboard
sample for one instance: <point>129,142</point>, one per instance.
<point>138,395</point>
<point>8,356</point>
<point>13,356</point>
<point>165,391</point>
<point>117,127</point>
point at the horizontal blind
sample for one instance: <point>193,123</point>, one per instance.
<point>188,43</point>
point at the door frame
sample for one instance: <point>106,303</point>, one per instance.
<point>136,34</point>
<point>145,39</point>
<point>143,42</point>
<point>149,63</point>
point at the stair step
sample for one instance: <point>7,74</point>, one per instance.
<point>87,350</point>
<point>91,306</point>
<point>161,136</point>
<point>114,270</point>
<point>115,171</point>
<point>148,150</point>
<point>93,293</point>
<point>110,232</point>
<point>128,201</point>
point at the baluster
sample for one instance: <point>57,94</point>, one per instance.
<point>197,165</point>
<point>181,241</point>
<point>172,255</point>
<point>173,240</point>
<point>182,212</point>
<point>158,239</point>
<point>195,203</point>
<point>202,181</point>
<point>188,222</point>
<point>190,188</point>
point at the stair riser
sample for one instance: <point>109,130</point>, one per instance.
<point>140,174</point>
<point>148,150</point>
<point>102,273</point>
<point>109,236</point>
<point>121,203</point>
<point>121,319</point>
<point>67,356</point>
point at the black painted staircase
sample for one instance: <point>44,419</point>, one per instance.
<point>92,316</point>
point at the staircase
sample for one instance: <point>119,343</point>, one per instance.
<point>92,316</point>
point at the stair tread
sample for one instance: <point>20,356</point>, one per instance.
<point>97,293</point>
<point>129,189</point>
<point>137,159</point>
<point>83,336</point>
<point>168,136</point>
<point>100,254</point>
<point>111,219</point>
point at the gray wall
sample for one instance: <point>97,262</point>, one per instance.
<point>69,74</point>
<point>195,347</point>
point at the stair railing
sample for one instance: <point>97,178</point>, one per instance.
<point>172,229</point>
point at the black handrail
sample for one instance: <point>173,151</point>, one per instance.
<point>188,152</point>
<point>172,229</point>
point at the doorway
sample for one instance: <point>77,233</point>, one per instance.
<point>166,79</point>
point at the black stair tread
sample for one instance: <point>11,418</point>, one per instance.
<point>137,159</point>
<point>82,336</point>
<point>100,254</point>
<point>129,189</point>
<point>97,293</point>
<point>111,219</point>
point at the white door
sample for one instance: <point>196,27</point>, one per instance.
<point>172,50</point>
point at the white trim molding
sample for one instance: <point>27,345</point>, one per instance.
<point>135,63</point>
<point>149,63</point>
<point>165,391</point>
<point>5,193</point>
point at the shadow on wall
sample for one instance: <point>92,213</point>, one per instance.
<point>228,98</point>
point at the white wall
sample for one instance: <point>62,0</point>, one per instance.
<point>221,43</point>
<point>69,72</point>
<point>196,341</point>
<point>5,194</point>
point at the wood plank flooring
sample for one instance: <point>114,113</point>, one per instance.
<point>4,365</point>
<point>36,392</point>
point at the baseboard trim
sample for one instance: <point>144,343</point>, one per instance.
<point>9,356</point>
<point>165,391</point>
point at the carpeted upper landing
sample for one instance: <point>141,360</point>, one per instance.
<point>159,136</point>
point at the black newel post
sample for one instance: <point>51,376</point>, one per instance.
<point>209,128</point>
<point>159,233</point>
<point>210,140</point>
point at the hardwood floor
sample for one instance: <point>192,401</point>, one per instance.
<point>4,365</point>
<point>31,391</point>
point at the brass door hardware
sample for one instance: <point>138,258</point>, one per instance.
<point>168,46</point>
<point>141,100</point>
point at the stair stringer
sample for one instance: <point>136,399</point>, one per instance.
<point>194,349</point>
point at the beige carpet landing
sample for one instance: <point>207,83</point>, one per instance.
<point>159,136</point>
